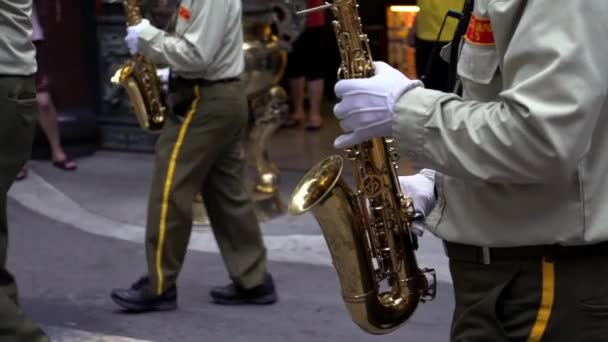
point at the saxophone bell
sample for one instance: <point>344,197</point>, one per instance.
<point>378,298</point>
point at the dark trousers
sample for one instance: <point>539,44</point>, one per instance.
<point>200,149</point>
<point>431,69</point>
<point>18,111</point>
<point>531,299</point>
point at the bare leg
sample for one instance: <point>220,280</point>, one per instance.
<point>297,88</point>
<point>48,122</point>
<point>315,93</point>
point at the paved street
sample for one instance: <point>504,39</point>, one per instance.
<point>75,236</point>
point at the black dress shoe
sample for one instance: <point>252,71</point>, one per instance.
<point>233,294</point>
<point>140,298</point>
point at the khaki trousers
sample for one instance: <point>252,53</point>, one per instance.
<point>18,111</point>
<point>532,299</point>
<point>200,149</point>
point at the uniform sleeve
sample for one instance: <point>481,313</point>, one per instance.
<point>201,27</point>
<point>555,84</point>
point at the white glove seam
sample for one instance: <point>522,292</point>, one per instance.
<point>362,110</point>
<point>364,92</point>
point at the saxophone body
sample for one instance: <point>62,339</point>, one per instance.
<point>139,78</point>
<point>367,230</point>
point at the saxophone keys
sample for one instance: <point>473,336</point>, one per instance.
<point>352,154</point>
<point>372,185</point>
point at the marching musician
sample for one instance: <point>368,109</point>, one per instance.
<point>18,111</point>
<point>200,149</point>
<point>521,164</point>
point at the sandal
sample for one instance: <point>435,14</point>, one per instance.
<point>292,122</point>
<point>67,164</point>
<point>22,174</point>
<point>313,125</point>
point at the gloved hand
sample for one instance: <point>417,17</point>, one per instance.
<point>163,76</point>
<point>366,107</point>
<point>133,35</point>
<point>421,188</point>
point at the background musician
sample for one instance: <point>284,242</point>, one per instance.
<point>200,149</point>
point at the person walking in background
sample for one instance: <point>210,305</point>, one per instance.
<point>305,71</point>
<point>430,67</point>
<point>46,107</point>
<point>17,123</point>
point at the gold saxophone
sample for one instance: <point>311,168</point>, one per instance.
<point>368,231</point>
<point>142,84</point>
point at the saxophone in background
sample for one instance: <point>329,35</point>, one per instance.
<point>368,231</point>
<point>139,78</point>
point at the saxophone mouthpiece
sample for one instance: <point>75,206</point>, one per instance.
<point>315,9</point>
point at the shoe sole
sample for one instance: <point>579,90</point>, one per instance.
<point>264,300</point>
<point>132,307</point>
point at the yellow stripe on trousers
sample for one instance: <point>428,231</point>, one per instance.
<point>167,189</point>
<point>546,303</point>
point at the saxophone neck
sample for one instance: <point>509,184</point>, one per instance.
<point>353,44</point>
<point>132,12</point>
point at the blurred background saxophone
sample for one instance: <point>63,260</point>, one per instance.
<point>265,61</point>
<point>269,29</point>
<point>139,78</point>
<point>368,231</point>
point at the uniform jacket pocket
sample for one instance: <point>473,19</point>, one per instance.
<point>478,63</point>
<point>26,108</point>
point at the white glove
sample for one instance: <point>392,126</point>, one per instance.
<point>163,76</point>
<point>366,107</point>
<point>133,35</point>
<point>421,188</point>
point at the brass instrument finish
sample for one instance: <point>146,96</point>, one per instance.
<point>368,231</point>
<point>138,77</point>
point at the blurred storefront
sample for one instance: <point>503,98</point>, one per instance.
<point>399,22</point>
<point>86,40</point>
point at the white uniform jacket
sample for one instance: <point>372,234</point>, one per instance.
<point>523,154</point>
<point>208,40</point>
<point>17,52</point>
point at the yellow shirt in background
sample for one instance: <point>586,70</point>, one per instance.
<point>431,16</point>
